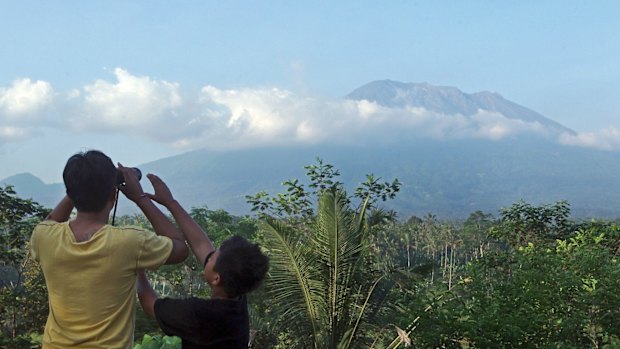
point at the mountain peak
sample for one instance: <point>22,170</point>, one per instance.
<point>23,179</point>
<point>447,100</point>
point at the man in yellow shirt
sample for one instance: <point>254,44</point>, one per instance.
<point>90,266</point>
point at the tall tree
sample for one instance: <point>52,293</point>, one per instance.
<point>23,298</point>
<point>523,222</point>
<point>325,286</point>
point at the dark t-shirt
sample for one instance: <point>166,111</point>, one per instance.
<point>205,323</point>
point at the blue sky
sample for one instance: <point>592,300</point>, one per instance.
<point>142,80</point>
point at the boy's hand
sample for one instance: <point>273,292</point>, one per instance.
<point>162,193</point>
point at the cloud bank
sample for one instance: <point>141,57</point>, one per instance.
<point>162,111</point>
<point>23,107</point>
<point>605,139</point>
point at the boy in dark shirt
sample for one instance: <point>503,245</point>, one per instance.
<point>232,270</point>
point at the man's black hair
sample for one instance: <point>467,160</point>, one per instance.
<point>241,265</point>
<point>90,178</point>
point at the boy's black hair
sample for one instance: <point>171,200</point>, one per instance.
<point>241,265</point>
<point>89,179</point>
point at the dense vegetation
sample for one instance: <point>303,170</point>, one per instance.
<point>347,274</point>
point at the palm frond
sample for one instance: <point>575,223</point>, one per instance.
<point>293,284</point>
<point>362,313</point>
<point>338,244</point>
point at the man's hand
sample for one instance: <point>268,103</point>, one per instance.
<point>132,188</point>
<point>162,195</point>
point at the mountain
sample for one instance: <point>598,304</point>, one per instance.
<point>447,100</point>
<point>28,186</point>
<point>447,177</point>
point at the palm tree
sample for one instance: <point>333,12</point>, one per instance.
<point>322,286</point>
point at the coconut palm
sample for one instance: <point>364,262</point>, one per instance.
<point>322,286</point>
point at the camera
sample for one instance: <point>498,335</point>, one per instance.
<point>120,179</point>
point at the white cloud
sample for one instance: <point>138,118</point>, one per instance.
<point>420,122</point>
<point>24,106</point>
<point>24,97</point>
<point>605,139</point>
<point>161,111</point>
<point>495,126</point>
<point>261,113</point>
<point>131,103</point>
<point>10,133</point>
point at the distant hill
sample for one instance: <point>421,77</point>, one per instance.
<point>449,178</point>
<point>30,187</point>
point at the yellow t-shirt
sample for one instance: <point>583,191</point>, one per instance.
<point>92,284</point>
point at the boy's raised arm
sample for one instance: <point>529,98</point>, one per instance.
<point>198,240</point>
<point>146,294</point>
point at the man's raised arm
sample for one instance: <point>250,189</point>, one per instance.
<point>62,211</point>
<point>161,224</point>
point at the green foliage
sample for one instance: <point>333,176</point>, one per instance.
<point>372,190</point>
<point>556,295</point>
<point>297,203</point>
<point>17,219</point>
<point>22,341</point>
<point>158,342</point>
<point>345,273</point>
<point>522,223</point>
<point>23,297</point>
<point>326,287</point>
<point>476,231</point>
